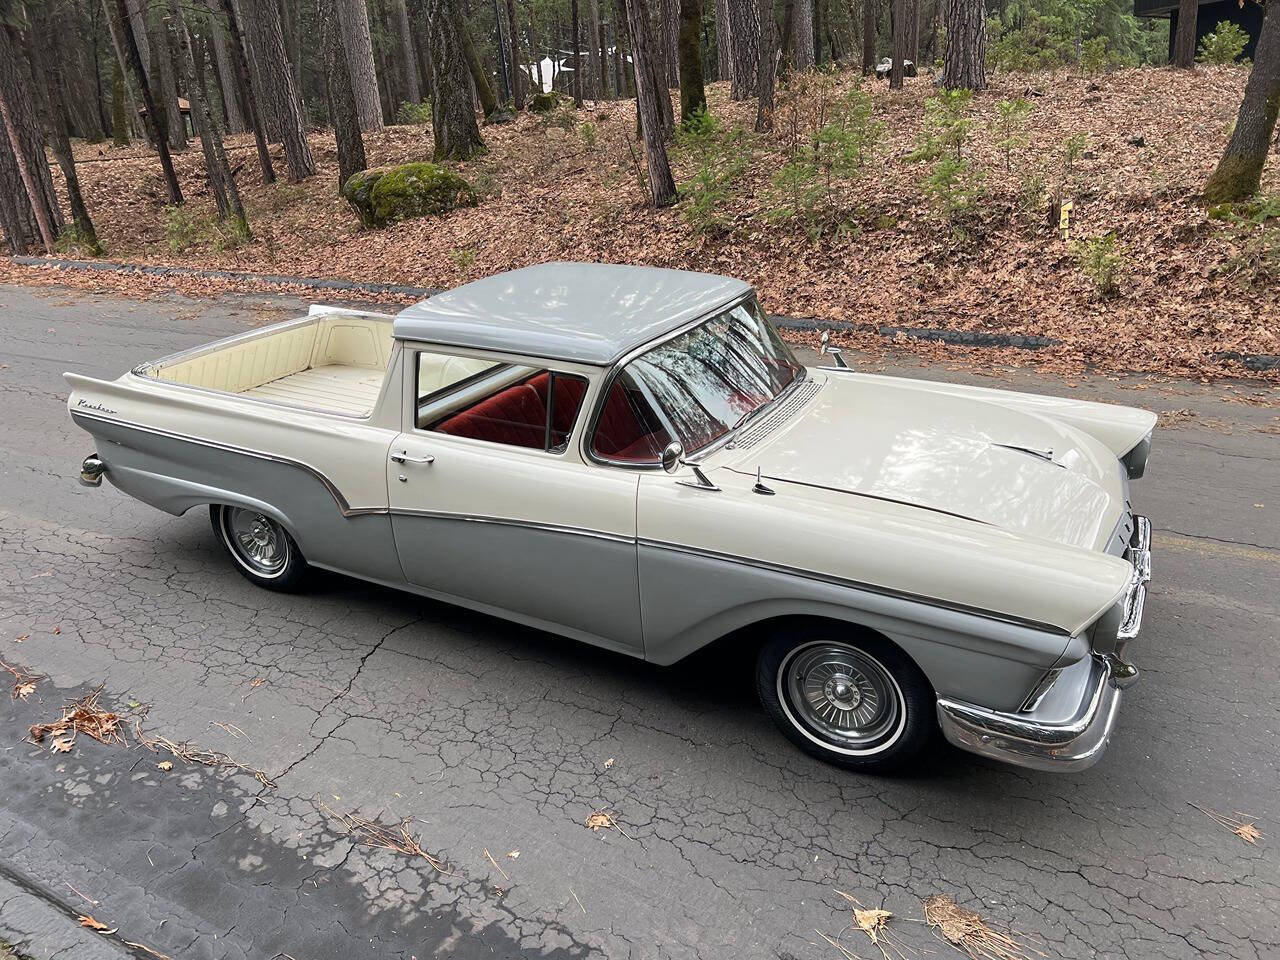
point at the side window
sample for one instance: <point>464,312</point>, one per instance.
<point>504,403</point>
<point>628,430</point>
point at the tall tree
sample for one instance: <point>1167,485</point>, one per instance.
<point>802,56</point>
<point>669,41</point>
<point>900,26</point>
<point>266,37</point>
<point>479,80</point>
<point>662,186</point>
<point>514,62</point>
<point>1238,174</point>
<point>158,138</point>
<point>342,99</point>
<point>870,18</point>
<point>1184,38</point>
<point>965,65</point>
<point>228,76</point>
<point>17,117</point>
<point>408,55</point>
<point>119,117</point>
<point>766,73</point>
<point>222,183</point>
<point>252,100</point>
<point>744,33</point>
<point>453,120</point>
<point>577,53</point>
<point>595,86</point>
<point>724,44</point>
<point>364,74</point>
<point>165,82</point>
<point>693,94</point>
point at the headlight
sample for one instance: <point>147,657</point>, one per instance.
<point>1135,461</point>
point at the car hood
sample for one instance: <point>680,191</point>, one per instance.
<point>974,458</point>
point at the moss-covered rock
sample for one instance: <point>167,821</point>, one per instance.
<point>388,194</point>
<point>544,102</point>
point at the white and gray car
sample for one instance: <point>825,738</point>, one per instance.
<point>634,458</point>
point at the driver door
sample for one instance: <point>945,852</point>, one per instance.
<point>493,508</point>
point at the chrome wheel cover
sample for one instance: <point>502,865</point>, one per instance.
<point>257,542</point>
<point>841,698</point>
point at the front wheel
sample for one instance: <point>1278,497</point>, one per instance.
<point>851,698</point>
<point>262,550</point>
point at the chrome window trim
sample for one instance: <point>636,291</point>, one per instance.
<point>515,522</point>
<point>953,606</point>
<point>343,506</point>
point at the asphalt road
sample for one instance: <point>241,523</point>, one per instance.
<point>494,738</point>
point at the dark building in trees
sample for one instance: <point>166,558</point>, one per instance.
<point>1247,16</point>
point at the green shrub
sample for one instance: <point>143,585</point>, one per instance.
<point>1094,57</point>
<point>463,257</point>
<point>182,228</point>
<point>1011,122</point>
<point>1101,259</point>
<point>414,114</point>
<point>1224,45</point>
<point>587,131</point>
<point>230,233</point>
<point>719,158</point>
<point>72,242</point>
<point>952,182</point>
<point>1254,226</point>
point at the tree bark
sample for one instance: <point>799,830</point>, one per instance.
<point>137,25</point>
<point>768,67</point>
<point>724,43</point>
<point>252,103</point>
<point>453,121</point>
<point>513,61</point>
<point>575,28</point>
<point>744,33</point>
<point>15,116</point>
<point>870,18</point>
<point>166,83</point>
<point>158,139</point>
<point>669,41</point>
<point>900,26</point>
<point>1184,40</point>
<point>802,56</point>
<point>1239,173</point>
<point>341,98</point>
<point>222,183</point>
<point>965,64</point>
<point>662,186</point>
<point>479,80</point>
<point>408,54</point>
<point>693,94</point>
<point>267,39</point>
<point>227,76</point>
<point>364,75</point>
<point>595,75</point>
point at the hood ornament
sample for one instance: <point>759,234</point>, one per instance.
<point>833,352</point>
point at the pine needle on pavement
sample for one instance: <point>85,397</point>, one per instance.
<point>967,931</point>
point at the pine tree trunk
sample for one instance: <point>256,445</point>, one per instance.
<point>514,62</point>
<point>802,57</point>
<point>900,26</point>
<point>227,77</point>
<point>744,33</point>
<point>479,80</point>
<point>1184,40</point>
<point>166,83</point>
<point>595,85</point>
<point>226,194</point>
<point>137,22</point>
<point>262,18</point>
<point>408,54</point>
<point>119,117</point>
<point>669,41</point>
<point>965,64</point>
<point>693,95</point>
<point>15,114</point>
<point>768,67</point>
<point>158,140</point>
<point>453,120</point>
<point>649,93</point>
<point>577,52</point>
<point>913,32</point>
<point>1239,173</point>
<point>252,101</point>
<point>870,19</point>
<point>724,43</point>
<point>341,98</point>
<point>364,75</point>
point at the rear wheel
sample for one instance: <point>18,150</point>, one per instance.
<point>850,698</point>
<point>261,548</point>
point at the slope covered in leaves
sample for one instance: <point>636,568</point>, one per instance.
<point>1192,291</point>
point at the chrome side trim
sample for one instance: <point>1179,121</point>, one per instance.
<point>345,508</point>
<point>856,585</point>
<point>513,522</point>
<point>1022,740</point>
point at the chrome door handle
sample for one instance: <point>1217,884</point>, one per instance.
<point>403,457</point>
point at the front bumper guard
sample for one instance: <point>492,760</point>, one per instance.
<point>1077,743</point>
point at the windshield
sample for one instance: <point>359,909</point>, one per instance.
<point>698,386</point>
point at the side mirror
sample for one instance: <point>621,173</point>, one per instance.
<point>831,351</point>
<point>672,456</point>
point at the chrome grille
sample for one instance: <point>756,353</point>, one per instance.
<point>758,431</point>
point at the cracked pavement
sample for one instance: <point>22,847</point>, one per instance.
<point>492,737</point>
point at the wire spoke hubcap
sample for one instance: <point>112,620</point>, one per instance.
<point>256,541</point>
<point>841,696</point>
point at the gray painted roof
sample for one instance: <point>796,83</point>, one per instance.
<point>584,312</point>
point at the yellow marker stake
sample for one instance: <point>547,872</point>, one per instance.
<point>1064,219</point>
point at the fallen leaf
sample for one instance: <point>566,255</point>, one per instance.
<point>513,854</point>
<point>165,765</point>
<point>93,924</point>
<point>62,744</point>
<point>1248,832</point>
<point>608,763</point>
<point>24,690</point>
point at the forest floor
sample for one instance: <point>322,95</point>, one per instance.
<point>1194,294</point>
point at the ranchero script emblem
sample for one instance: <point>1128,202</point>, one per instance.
<point>84,404</point>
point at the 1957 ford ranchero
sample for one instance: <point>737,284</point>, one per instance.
<point>634,458</point>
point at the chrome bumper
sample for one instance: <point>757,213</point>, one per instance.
<point>1078,742</point>
<point>91,471</point>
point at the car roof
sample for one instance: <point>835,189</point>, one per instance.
<point>591,313</point>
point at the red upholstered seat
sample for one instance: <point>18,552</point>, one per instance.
<point>515,416</point>
<point>622,435</point>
